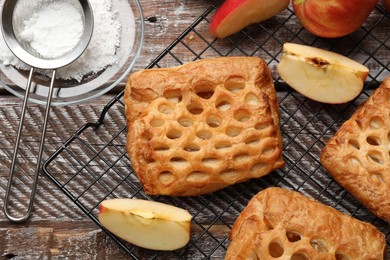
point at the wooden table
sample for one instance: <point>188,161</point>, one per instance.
<point>57,228</point>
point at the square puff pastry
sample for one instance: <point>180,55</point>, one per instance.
<point>202,126</point>
<point>358,155</point>
<point>283,224</point>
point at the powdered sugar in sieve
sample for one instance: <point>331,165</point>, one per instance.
<point>100,53</point>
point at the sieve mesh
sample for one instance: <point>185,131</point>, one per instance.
<point>24,11</point>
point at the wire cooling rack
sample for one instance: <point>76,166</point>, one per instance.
<point>97,165</point>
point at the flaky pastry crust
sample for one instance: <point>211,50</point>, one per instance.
<point>202,126</point>
<point>282,224</point>
<point>358,155</point>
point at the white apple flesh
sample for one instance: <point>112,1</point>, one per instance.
<point>321,75</point>
<point>146,224</point>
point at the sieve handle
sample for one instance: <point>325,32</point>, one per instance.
<point>16,149</point>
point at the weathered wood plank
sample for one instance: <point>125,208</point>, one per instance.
<point>58,229</point>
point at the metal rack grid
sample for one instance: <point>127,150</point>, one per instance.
<point>97,165</point>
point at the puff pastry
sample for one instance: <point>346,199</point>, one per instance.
<point>283,224</point>
<point>202,126</point>
<point>358,155</point>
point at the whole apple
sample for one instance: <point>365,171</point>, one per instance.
<point>332,18</point>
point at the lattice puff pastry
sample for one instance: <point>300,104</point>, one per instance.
<point>283,224</point>
<point>358,155</point>
<point>202,126</point>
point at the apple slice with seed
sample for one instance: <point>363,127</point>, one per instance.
<point>147,224</point>
<point>234,15</point>
<point>321,75</point>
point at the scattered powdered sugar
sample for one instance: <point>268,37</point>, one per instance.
<point>53,38</point>
<point>102,48</point>
<point>7,58</point>
<point>101,51</point>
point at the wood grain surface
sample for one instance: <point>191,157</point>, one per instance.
<point>58,229</point>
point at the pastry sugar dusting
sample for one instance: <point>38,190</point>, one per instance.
<point>102,48</point>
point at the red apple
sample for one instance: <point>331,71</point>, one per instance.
<point>234,15</point>
<point>386,3</point>
<point>332,18</point>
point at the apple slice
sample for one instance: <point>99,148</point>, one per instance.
<point>321,75</point>
<point>234,15</point>
<point>147,224</point>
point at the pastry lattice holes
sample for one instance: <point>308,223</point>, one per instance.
<point>378,152</point>
<point>205,90</point>
<point>276,248</point>
<point>354,144</point>
<point>195,132</point>
<point>341,256</point>
<point>375,157</point>
<point>300,247</point>
<point>252,99</point>
<point>224,105</point>
<point>299,256</point>
<point>373,140</point>
<point>185,122</point>
<point>372,150</point>
<point>293,236</point>
<point>166,178</point>
<point>377,178</point>
<point>173,96</point>
<point>376,123</point>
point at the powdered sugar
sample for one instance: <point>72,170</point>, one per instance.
<point>100,53</point>
<point>53,38</point>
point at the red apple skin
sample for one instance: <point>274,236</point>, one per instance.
<point>102,208</point>
<point>223,11</point>
<point>245,12</point>
<point>386,3</point>
<point>332,18</point>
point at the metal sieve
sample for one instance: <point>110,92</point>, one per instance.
<point>13,15</point>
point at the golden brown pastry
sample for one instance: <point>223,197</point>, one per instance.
<point>358,155</point>
<point>202,126</point>
<point>283,224</point>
